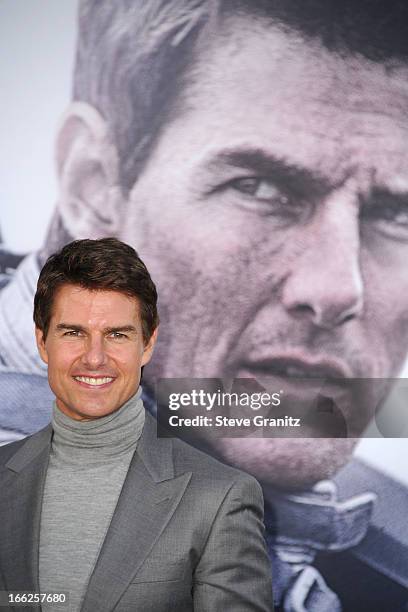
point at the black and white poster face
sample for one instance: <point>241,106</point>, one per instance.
<point>256,156</point>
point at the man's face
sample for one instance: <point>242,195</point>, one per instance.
<point>94,350</point>
<point>273,214</point>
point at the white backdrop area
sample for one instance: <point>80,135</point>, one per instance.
<point>37,42</point>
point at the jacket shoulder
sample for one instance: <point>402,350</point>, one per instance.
<point>385,546</point>
<point>8,450</point>
<point>32,442</point>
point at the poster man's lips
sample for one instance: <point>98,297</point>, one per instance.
<point>291,366</point>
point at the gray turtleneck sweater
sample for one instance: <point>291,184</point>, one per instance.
<point>87,467</point>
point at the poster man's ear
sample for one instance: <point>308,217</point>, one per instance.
<point>87,165</point>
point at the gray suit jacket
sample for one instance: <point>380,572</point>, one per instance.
<point>187,532</point>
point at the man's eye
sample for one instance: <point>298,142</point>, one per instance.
<point>72,333</point>
<point>259,188</point>
<point>262,195</point>
<point>118,335</point>
<point>390,216</point>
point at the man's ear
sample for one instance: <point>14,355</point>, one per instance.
<point>39,337</point>
<point>87,165</point>
<point>148,349</point>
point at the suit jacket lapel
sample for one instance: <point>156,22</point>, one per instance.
<point>149,497</point>
<point>20,510</point>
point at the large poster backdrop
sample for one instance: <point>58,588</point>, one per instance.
<point>255,154</point>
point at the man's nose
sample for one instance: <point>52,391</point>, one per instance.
<point>325,285</point>
<point>94,355</point>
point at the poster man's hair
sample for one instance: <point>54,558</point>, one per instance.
<point>133,56</point>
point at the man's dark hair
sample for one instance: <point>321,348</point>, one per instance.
<point>106,264</point>
<point>133,56</point>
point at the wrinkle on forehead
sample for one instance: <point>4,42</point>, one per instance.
<point>275,89</point>
<point>270,52</point>
<point>93,307</point>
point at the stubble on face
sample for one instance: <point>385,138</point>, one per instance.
<point>273,215</point>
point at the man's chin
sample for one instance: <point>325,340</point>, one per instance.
<point>287,463</point>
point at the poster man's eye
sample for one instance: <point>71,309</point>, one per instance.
<point>264,196</point>
<point>262,189</point>
<point>389,213</point>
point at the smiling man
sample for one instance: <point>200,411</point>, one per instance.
<point>93,368</point>
<point>255,152</point>
<point>95,509</point>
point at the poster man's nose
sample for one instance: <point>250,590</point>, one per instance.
<point>325,284</point>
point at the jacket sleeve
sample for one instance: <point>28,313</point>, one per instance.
<point>234,571</point>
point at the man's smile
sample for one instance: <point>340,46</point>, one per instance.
<point>94,381</point>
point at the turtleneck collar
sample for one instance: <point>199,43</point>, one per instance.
<point>85,443</point>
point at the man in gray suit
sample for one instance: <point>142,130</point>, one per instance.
<point>95,505</point>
